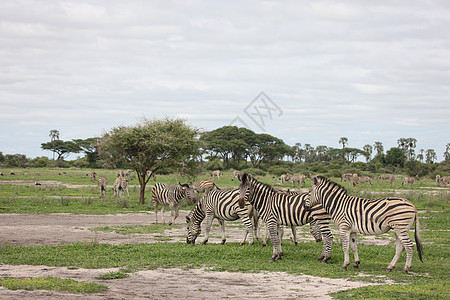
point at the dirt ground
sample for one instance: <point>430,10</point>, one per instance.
<point>54,229</point>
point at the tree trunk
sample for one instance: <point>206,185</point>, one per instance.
<point>142,194</point>
<point>142,183</point>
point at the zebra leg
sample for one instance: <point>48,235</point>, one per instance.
<point>273,231</point>
<point>156,211</point>
<point>163,208</point>
<point>354,246</point>
<point>208,223</point>
<point>266,234</point>
<point>402,234</point>
<point>345,239</point>
<point>327,243</point>
<point>173,213</point>
<point>280,233</point>
<point>222,227</point>
<point>398,253</point>
<point>294,234</point>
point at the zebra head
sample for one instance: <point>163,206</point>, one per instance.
<point>188,192</point>
<point>193,228</point>
<point>244,188</point>
<point>314,197</point>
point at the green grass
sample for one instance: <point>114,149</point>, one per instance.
<point>51,284</point>
<point>428,280</point>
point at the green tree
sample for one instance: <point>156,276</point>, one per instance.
<point>378,146</point>
<point>447,152</point>
<point>61,148</point>
<point>344,141</point>
<point>368,152</point>
<point>153,145</point>
<point>90,147</point>
<point>430,156</point>
<point>54,135</point>
<point>395,157</point>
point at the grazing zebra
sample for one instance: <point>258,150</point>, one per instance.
<point>92,175</point>
<point>347,176</point>
<point>277,209</point>
<point>224,206</point>
<point>300,179</point>
<point>120,185</point>
<point>205,185</point>
<point>389,177</point>
<point>438,180</point>
<point>445,181</point>
<point>216,173</point>
<point>171,195</point>
<point>354,179</point>
<point>285,177</point>
<point>364,179</point>
<point>353,215</point>
<point>102,184</point>
<point>410,180</point>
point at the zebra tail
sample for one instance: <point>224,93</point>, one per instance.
<point>418,239</point>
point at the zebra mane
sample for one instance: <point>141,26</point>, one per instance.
<point>333,185</point>
<point>246,177</point>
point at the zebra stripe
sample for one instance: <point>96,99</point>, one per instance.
<point>204,185</point>
<point>277,209</point>
<point>222,205</point>
<point>171,195</point>
<point>367,216</point>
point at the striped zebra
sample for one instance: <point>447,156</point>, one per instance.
<point>205,185</point>
<point>410,180</point>
<point>353,215</point>
<point>102,184</point>
<point>277,209</point>
<point>223,206</point>
<point>171,195</point>
<point>389,177</point>
<point>120,185</point>
<point>300,179</point>
<point>216,173</point>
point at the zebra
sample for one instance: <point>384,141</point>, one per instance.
<point>150,174</point>
<point>438,180</point>
<point>171,195</point>
<point>120,185</point>
<point>236,174</point>
<point>277,209</point>
<point>347,176</point>
<point>92,175</point>
<point>445,181</point>
<point>204,185</point>
<point>102,184</point>
<point>389,177</point>
<point>222,205</point>
<point>353,215</point>
<point>300,179</point>
<point>410,180</point>
<point>216,173</point>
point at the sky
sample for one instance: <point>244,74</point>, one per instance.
<point>307,72</point>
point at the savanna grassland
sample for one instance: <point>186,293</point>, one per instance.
<point>51,192</point>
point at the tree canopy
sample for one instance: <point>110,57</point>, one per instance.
<point>152,145</point>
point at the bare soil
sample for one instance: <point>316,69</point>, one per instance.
<point>54,229</point>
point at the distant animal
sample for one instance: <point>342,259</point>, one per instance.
<point>347,176</point>
<point>150,174</point>
<point>438,180</point>
<point>365,179</point>
<point>389,177</point>
<point>205,185</point>
<point>410,180</point>
<point>353,215</point>
<point>354,179</point>
<point>92,175</point>
<point>236,174</point>
<point>299,179</point>
<point>120,186</point>
<point>445,181</point>
<point>216,173</point>
<point>170,195</point>
<point>102,184</point>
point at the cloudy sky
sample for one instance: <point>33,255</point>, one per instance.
<point>371,71</point>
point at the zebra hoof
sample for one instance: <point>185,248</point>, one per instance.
<point>356,265</point>
<point>271,260</point>
<point>170,223</point>
<point>344,268</point>
<point>223,242</point>
<point>388,270</point>
<point>204,242</point>
<point>405,270</point>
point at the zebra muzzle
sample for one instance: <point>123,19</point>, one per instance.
<point>241,202</point>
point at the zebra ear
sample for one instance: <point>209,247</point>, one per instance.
<point>314,180</point>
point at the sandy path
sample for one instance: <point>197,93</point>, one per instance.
<point>53,229</point>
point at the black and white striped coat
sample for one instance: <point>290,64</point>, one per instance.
<point>223,206</point>
<point>277,209</point>
<point>170,195</point>
<point>205,185</point>
<point>367,216</point>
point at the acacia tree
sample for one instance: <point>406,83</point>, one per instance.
<point>152,145</point>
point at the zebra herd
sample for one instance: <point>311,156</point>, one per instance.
<point>254,202</point>
<point>325,201</point>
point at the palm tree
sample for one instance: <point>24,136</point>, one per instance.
<point>344,141</point>
<point>54,135</point>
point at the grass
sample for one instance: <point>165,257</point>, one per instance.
<point>51,284</point>
<point>426,280</point>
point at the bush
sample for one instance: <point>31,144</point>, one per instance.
<point>277,170</point>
